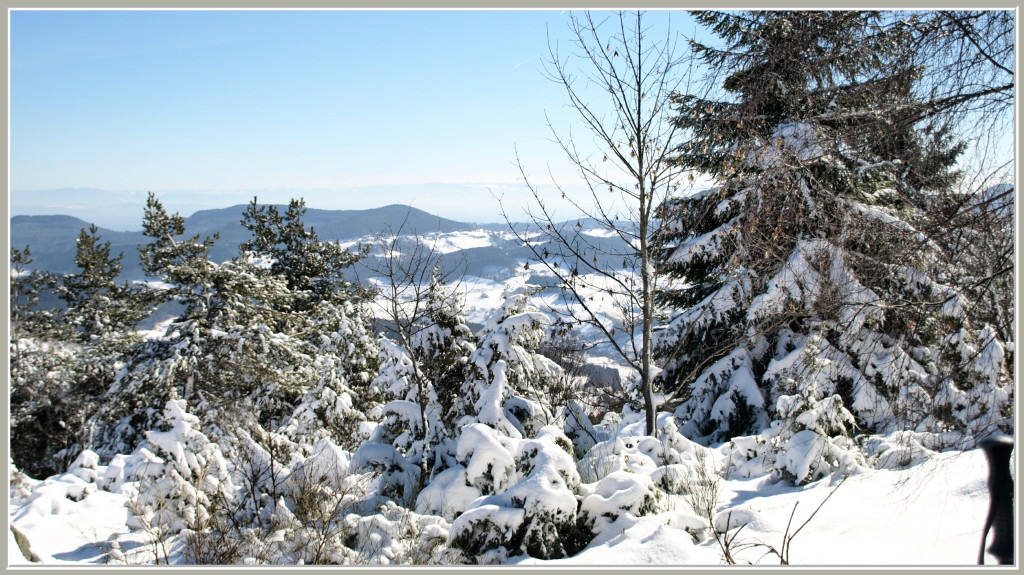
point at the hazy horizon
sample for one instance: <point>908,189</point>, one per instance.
<point>349,109</point>
<point>123,210</point>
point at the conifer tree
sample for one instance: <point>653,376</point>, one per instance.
<point>507,377</point>
<point>310,266</point>
<point>322,310</point>
<point>809,237</point>
<point>422,374</point>
<point>233,351</point>
<point>96,306</point>
<point>26,286</point>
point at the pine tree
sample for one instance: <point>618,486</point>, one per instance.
<point>231,353</point>
<point>421,375</point>
<point>444,344</point>
<point>26,286</point>
<point>310,266</point>
<point>96,306</point>
<point>41,369</point>
<point>97,326</point>
<point>58,375</point>
<point>339,399</point>
<point>507,376</point>
<point>823,169</point>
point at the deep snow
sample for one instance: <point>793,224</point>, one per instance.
<point>928,515</point>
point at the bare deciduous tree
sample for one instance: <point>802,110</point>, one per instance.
<point>626,171</point>
<point>411,279</point>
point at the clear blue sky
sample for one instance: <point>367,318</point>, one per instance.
<point>208,107</point>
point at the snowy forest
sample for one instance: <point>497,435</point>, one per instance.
<point>811,281</point>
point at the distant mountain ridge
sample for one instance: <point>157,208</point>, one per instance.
<point>51,238</point>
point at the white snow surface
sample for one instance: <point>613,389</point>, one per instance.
<point>931,514</point>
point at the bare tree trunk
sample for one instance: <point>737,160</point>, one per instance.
<point>634,137</point>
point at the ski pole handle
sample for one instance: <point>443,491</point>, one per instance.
<point>998,449</point>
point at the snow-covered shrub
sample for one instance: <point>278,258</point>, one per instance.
<point>86,466</point>
<point>261,463</point>
<point>620,495</point>
<point>900,449</point>
<point>974,396</point>
<point>506,353</point>
<point>747,456</point>
<point>47,408</point>
<point>812,436</point>
<point>441,344</point>
<point>535,516</point>
<point>578,428</point>
<point>448,495</point>
<point>20,484</point>
<point>488,457</point>
<point>307,525</point>
<point>413,420</point>
<point>397,536</point>
<point>323,410</point>
<point>179,481</point>
<point>392,475</point>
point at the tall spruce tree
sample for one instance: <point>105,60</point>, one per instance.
<point>805,286</point>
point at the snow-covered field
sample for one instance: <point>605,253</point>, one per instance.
<point>929,515</point>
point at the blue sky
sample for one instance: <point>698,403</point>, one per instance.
<point>349,109</point>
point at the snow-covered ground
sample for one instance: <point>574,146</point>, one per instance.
<point>929,515</point>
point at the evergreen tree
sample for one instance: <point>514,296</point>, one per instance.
<point>231,353</point>
<point>56,392</point>
<point>422,381</point>
<point>45,424</point>
<point>58,374</point>
<point>507,376</point>
<point>96,306</point>
<point>444,344</point>
<point>310,266</point>
<point>169,256</point>
<point>338,402</point>
<point>26,286</point>
<point>808,240</point>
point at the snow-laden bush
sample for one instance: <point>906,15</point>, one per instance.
<point>535,515</point>
<point>620,499</point>
<point>579,429</point>
<point>902,449</point>
<point>20,484</point>
<point>48,406</point>
<point>508,378</point>
<point>397,536</point>
<point>392,475</point>
<point>179,481</point>
<point>811,436</point>
<point>629,476</point>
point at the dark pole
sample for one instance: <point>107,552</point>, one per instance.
<point>1000,510</point>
